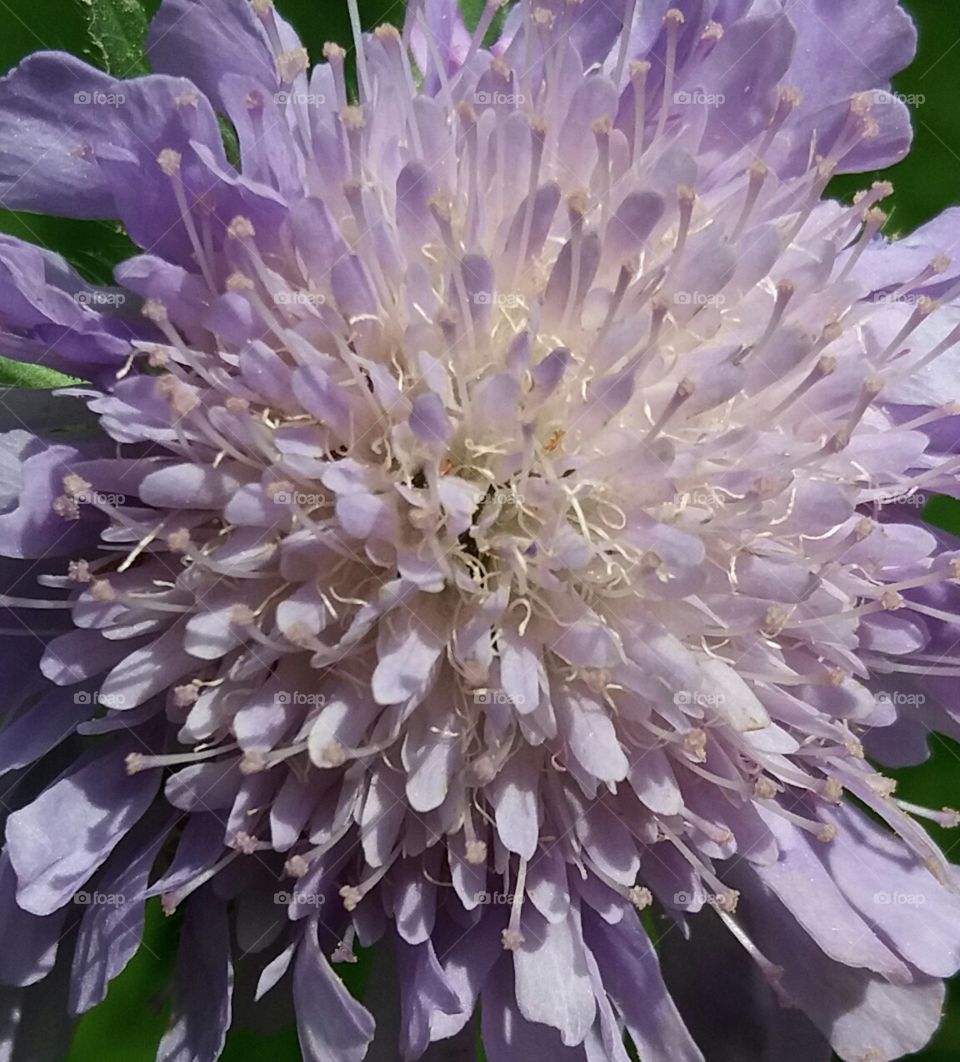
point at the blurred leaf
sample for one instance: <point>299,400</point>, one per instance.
<point>231,142</point>
<point>128,1024</point>
<point>472,12</point>
<point>118,32</point>
<point>243,1046</point>
<point>943,512</point>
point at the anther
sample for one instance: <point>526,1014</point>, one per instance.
<point>241,228</point>
<point>102,590</point>
<point>155,311</point>
<point>476,852</point>
<point>296,867</point>
<point>640,896</point>
<point>351,897</point>
<point>185,696</point>
<point>169,161</point>
<point>179,541</point>
<point>293,63</point>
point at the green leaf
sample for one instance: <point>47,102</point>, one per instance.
<point>118,33</point>
<point>472,12</point>
<point>17,374</point>
<point>231,142</point>
<point>93,248</point>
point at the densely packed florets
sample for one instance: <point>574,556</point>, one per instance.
<point>504,527</point>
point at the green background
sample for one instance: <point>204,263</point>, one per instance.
<point>128,1026</point>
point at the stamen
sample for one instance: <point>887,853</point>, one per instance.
<point>512,937</point>
<point>685,389</point>
<point>874,220</point>
<point>673,20</point>
<point>344,950</point>
<point>336,56</point>
<point>924,308</point>
<point>757,174</point>
<point>170,163</point>
<point>948,818</point>
<point>638,78</point>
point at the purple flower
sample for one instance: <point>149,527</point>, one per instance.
<point>500,521</point>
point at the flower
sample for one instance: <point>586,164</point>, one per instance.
<point>496,534</point>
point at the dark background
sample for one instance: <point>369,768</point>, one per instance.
<point>127,1027</point>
